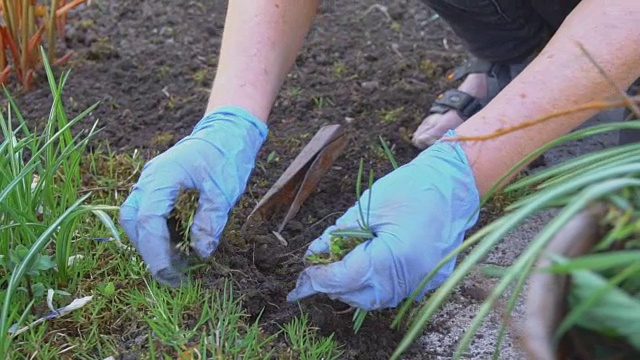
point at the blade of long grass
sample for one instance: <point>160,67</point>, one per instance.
<point>596,262</point>
<point>577,134</point>
<point>24,36</point>
<point>359,191</point>
<point>388,153</point>
<point>576,163</point>
<point>17,180</point>
<point>633,158</point>
<point>9,18</point>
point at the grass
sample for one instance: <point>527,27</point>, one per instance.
<point>59,246</point>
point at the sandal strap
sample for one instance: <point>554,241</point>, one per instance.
<point>471,66</point>
<point>454,99</point>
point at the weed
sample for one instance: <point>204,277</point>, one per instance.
<point>305,344</point>
<point>273,157</point>
<point>294,92</point>
<point>342,241</point>
<point>181,218</point>
<point>430,68</point>
<point>391,116</point>
<point>163,71</point>
<point>41,263</point>
<point>338,68</point>
<point>162,139</point>
<point>320,102</point>
<point>200,76</point>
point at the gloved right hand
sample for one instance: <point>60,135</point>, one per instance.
<point>217,159</point>
<point>418,213</point>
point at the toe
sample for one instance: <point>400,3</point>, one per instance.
<point>434,127</point>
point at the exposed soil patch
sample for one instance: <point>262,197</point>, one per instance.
<point>150,65</point>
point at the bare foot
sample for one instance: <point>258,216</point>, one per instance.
<point>436,125</point>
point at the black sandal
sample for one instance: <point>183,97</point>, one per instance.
<point>499,76</point>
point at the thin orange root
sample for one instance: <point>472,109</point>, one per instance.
<point>63,10</point>
<point>594,105</point>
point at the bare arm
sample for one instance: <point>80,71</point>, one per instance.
<point>561,77</point>
<point>260,42</point>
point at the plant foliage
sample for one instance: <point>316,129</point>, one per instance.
<point>27,25</point>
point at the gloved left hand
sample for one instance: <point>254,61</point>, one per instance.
<point>418,214</point>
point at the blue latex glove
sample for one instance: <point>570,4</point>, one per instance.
<point>419,213</point>
<point>217,159</point>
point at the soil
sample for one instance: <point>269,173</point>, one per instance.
<point>150,65</point>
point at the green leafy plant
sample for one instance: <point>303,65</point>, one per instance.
<point>41,263</point>
<point>570,187</point>
<point>604,294</point>
<point>40,204</point>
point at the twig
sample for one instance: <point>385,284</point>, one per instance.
<point>593,105</point>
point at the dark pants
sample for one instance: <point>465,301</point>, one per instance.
<point>508,31</point>
<point>503,30</point>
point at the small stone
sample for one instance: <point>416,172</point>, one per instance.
<point>140,339</point>
<point>370,85</point>
<point>370,57</point>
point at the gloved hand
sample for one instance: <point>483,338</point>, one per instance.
<point>419,213</point>
<point>216,159</point>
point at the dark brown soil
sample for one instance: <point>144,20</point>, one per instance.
<point>150,65</point>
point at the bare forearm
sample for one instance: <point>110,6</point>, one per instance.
<point>259,45</point>
<point>560,78</point>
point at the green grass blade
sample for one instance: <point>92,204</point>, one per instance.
<point>389,154</point>
<point>595,262</point>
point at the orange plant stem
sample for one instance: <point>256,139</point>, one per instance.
<point>62,20</point>
<point>9,17</point>
<point>3,54</point>
<point>63,10</point>
<point>594,105</point>
<point>24,44</point>
<point>51,31</point>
